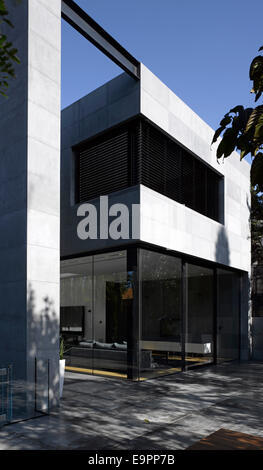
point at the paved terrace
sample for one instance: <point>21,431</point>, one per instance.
<point>170,413</point>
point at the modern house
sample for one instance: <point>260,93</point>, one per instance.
<point>170,292</point>
<point>150,233</point>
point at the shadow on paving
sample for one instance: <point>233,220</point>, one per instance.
<point>172,412</point>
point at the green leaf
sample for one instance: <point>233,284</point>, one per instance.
<point>217,134</point>
<point>243,142</point>
<point>253,119</point>
<point>230,139</point>
<point>258,95</point>
<point>220,149</point>
<point>259,128</point>
<point>225,121</point>
<point>2,7</point>
<point>7,21</point>
<point>237,109</point>
<point>256,67</point>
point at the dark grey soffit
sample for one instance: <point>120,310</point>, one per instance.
<point>85,25</point>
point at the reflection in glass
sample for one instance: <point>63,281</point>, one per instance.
<point>199,344</point>
<point>160,278</point>
<point>110,307</point>
<point>228,316</point>
<point>76,323</point>
<point>94,303</point>
<point>122,316</point>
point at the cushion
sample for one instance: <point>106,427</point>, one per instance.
<point>121,347</point>
<point>99,345</point>
<point>87,344</point>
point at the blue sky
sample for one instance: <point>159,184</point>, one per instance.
<point>201,49</point>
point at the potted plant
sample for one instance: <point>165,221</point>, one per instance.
<point>61,366</point>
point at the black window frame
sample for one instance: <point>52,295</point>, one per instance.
<point>133,259</point>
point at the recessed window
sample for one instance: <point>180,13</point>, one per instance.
<point>139,153</point>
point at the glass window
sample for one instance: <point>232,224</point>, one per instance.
<point>95,300</point>
<point>160,298</point>
<point>122,314</point>
<point>199,343</point>
<point>228,316</point>
<point>112,298</point>
<point>76,322</point>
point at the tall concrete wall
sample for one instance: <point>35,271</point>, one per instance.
<point>30,193</point>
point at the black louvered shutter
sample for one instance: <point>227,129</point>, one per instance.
<point>139,153</point>
<point>188,179</point>
<point>173,184</point>
<point>153,152</point>
<point>104,167</point>
<point>200,184</point>
<point>213,182</point>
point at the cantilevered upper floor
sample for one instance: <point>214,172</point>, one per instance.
<point>137,142</point>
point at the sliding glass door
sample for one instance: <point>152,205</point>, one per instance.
<point>76,320</point>
<point>228,315</point>
<point>94,305</point>
<point>199,315</point>
<point>140,314</point>
<point>161,314</point>
<point>111,299</point>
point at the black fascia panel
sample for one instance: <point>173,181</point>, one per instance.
<point>85,25</point>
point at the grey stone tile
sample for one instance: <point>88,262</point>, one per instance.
<point>23,443</point>
<point>171,413</point>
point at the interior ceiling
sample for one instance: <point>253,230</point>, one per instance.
<point>106,263</point>
<point>154,266</point>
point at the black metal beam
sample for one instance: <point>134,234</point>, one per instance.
<point>85,25</point>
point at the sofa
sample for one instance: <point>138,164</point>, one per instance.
<point>103,356</point>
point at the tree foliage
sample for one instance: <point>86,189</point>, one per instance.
<point>8,53</point>
<point>242,128</point>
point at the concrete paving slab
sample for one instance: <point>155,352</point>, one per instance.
<point>172,412</point>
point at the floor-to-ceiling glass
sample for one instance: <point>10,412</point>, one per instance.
<point>136,313</point>
<point>94,305</point>
<point>76,322</point>
<point>160,307</point>
<point>228,315</point>
<point>111,302</point>
<point>199,315</point>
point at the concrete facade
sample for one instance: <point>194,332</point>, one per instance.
<point>30,194</point>
<point>107,106</point>
<point>163,222</point>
